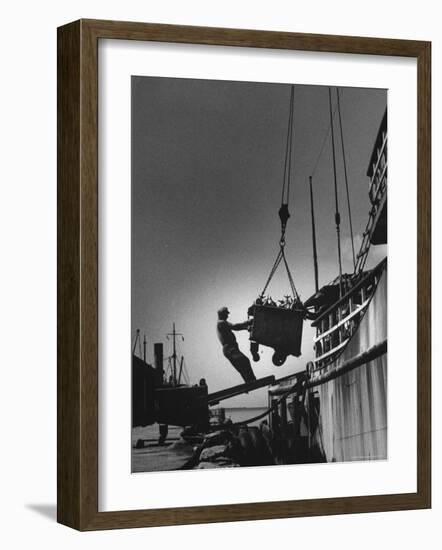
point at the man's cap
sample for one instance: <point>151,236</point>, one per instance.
<point>223,309</point>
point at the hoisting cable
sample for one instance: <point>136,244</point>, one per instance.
<point>312,211</point>
<point>337,214</point>
<point>285,194</point>
<point>272,271</point>
<point>283,212</point>
<point>346,180</point>
<point>324,141</point>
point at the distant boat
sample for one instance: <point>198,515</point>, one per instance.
<point>159,395</point>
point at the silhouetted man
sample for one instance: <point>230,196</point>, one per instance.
<point>231,350</point>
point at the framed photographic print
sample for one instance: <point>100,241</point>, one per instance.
<point>241,334</point>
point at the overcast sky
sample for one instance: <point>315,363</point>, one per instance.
<point>207,172</point>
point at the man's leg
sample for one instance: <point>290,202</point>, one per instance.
<point>243,366</point>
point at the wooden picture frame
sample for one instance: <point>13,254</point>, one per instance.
<point>77,388</point>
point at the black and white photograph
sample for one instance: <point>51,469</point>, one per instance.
<point>258,274</point>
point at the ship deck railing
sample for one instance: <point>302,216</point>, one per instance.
<point>379,170</point>
<point>332,351</point>
<point>337,324</point>
<point>355,312</point>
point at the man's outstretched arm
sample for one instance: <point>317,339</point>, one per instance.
<point>240,326</point>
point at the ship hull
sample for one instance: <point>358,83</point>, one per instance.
<point>350,405</point>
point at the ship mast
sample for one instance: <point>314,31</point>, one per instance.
<point>174,335</point>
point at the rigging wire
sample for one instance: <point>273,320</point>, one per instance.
<point>272,271</point>
<point>324,141</point>
<point>346,178</point>
<point>315,251</point>
<point>337,214</point>
<point>134,345</point>
<point>181,370</point>
<point>185,372</point>
<point>137,341</point>
<point>285,193</point>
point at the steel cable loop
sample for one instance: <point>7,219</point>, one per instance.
<point>272,272</point>
<point>289,275</point>
<point>282,257</point>
<point>283,213</point>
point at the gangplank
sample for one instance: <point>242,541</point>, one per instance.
<point>216,397</point>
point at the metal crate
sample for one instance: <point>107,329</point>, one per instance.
<point>278,328</point>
